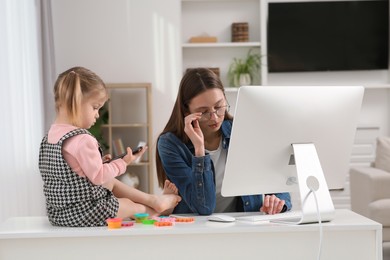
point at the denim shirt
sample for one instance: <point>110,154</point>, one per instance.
<point>194,176</point>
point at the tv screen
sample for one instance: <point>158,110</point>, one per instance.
<point>328,36</point>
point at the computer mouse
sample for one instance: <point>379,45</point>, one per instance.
<point>221,218</point>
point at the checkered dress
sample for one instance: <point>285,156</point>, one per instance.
<point>72,200</point>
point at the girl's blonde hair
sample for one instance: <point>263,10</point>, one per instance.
<point>72,87</point>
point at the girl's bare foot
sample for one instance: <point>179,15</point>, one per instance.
<point>166,202</point>
<point>170,188</point>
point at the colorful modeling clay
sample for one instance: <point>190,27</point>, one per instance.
<point>185,219</point>
<point>163,224</point>
<point>165,219</point>
<point>140,216</point>
<point>148,221</point>
<point>114,222</point>
<point>127,224</point>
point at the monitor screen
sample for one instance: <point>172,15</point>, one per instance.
<point>328,35</point>
<point>268,120</point>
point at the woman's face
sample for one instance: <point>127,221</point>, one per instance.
<point>212,104</point>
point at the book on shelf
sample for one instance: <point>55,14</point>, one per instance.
<point>117,146</point>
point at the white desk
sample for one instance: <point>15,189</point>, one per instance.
<point>348,236</point>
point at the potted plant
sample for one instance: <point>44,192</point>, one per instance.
<point>96,129</point>
<point>242,71</point>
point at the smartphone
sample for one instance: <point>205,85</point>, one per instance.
<point>135,151</point>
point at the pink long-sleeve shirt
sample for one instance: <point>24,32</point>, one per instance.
<point>82,154</point>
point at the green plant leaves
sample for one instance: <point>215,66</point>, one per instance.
<point>250,65</point>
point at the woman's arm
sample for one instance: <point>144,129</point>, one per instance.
<point>193,176</point>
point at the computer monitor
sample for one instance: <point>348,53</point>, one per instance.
<point>280,132</point>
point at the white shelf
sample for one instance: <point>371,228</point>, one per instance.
<point>378,86</point>
<point>126,125</point>
<point>216,19</point>
<point>221,44</point>
<point>383,86</point>
<point>215,0</point>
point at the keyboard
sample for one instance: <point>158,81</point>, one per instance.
<point>286,217</point>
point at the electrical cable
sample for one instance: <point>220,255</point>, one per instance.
<point>319,224</point>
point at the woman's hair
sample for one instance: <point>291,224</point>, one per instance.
<point>72,87</point>
<point>194,82</point>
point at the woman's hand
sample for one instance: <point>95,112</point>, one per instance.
<point>272,204</point>
<point>194,132</point>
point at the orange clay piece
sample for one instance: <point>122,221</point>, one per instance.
<point>114,222</point>
<point>163,224</point>
<point>187,220</point>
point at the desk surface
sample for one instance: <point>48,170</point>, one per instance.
<point>348,236</point>
<point>39,227</point>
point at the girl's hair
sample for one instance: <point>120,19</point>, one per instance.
<point>72,87</point>
<point>194,82</point>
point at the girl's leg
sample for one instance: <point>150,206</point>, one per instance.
<point>158,203</point>
<point>128,208</point>
<point>109,185</point>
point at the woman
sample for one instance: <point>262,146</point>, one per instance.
<point>192,150</point>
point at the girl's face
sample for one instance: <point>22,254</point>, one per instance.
<point>90,110</point>
<point>212,104</point>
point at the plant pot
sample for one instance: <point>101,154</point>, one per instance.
<point>245,79</point>
<point>242,80</point>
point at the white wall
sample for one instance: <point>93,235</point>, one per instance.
<point>140,41</point>
<point>123,41</point>
<point>376,109</point>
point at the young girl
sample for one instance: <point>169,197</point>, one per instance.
<point>192,150</point>
<point>80,189</point>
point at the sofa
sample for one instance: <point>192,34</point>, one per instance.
<point>370,188</point>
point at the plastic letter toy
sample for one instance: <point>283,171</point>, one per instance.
<point>185,220</point>
<point>163,224</point>
<point>165,219</point>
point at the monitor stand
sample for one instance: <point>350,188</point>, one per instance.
<point>311,179</point>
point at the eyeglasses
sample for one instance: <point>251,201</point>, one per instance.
<point>218,112</point>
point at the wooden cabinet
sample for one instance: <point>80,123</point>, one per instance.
<point>130,119</point>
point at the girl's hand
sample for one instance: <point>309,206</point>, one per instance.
<point>194,132</point>
<point>106,158</point>
<point>272,204</point>
<point>130,157</point>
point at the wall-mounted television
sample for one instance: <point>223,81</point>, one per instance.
<point>328,35</point>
